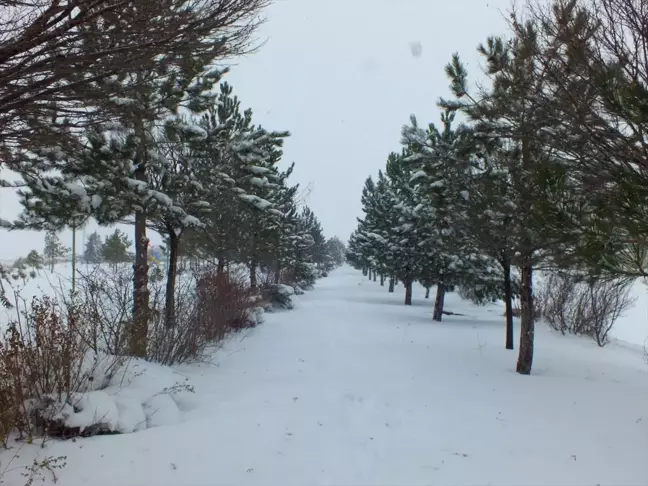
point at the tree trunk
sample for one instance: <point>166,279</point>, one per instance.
<point>374,275</point>
<point>525,353</point>
<point>408,291</point>
<point>220,269</point>
<point>508,301</point>
<point>364,272</point>
<point>391,284</point>
<point>253,275</point>
<point>439,301</point>
<point>74,259</point>
<point>382,280</point>
<point>427,292</point>
<point>172,271</point>
<point>141,309</point>
<point>277,274</point>
<point>525,357</point>
<point>139,333</point>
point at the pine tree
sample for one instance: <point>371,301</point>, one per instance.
<point>512,117</point>
<point>444,163</point>
<point>244,160</point>
<point>63,62</point>
<point>594,53</point>
<point>406,236</point>
<point>34,260</point>
<point>93,249</point>
<point>115,248</point>
<point>336,250</point>
<point>54,250</point>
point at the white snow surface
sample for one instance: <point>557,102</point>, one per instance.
<point>354,388</point>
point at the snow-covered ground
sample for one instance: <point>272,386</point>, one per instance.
<point>352,387</point>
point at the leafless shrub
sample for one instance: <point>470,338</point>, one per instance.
<point>57,348</point>
<point>554,299</point>
<point>573,304</point>
<point>208,305</point>
<point>185,340</point>
<point>104,294</point>
<point>45,362</point>
<point>224,302</point>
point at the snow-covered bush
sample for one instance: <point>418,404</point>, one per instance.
<point>136,396</point>
<point>574,304</point>
<point>59,356</point>
<point>298,290</point>
<point>255,316</point>
<point>306,274</point>
<point>279,296</point>
<point>46,361</point>
<point>53,383</point>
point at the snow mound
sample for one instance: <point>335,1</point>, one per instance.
<point>255,316</point>
<point>161,410</point>
<point>285,289</point>
<point>130,397</point>
<point>92,410</point>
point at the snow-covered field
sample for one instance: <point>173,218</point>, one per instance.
<point>352,387</point>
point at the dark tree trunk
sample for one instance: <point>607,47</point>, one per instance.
<point>253,274</point>
<point>527,331</point>
<point>141,310</point>
<point>374,275</point>
<point>382,280</point>
<point>508,301</point>
<point>220,269</point>
<point>408,291</point>
<point>391,284</point>
<point>439,301</point>
<point>74,257</point>
<point>277,274</point>
<point>525,357</point>
<point>139,333</point>
<point>172,272</point>
<point>364,272</point>
<point>427,292</point>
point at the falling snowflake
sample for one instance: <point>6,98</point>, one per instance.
<point>416,48</point>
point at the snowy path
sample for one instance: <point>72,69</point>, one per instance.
<point>354,388</point>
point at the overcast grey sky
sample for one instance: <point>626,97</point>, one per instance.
<point>341,76</point>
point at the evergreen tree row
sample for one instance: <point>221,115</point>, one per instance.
<point>546,173</point>
<point>181,158</point>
